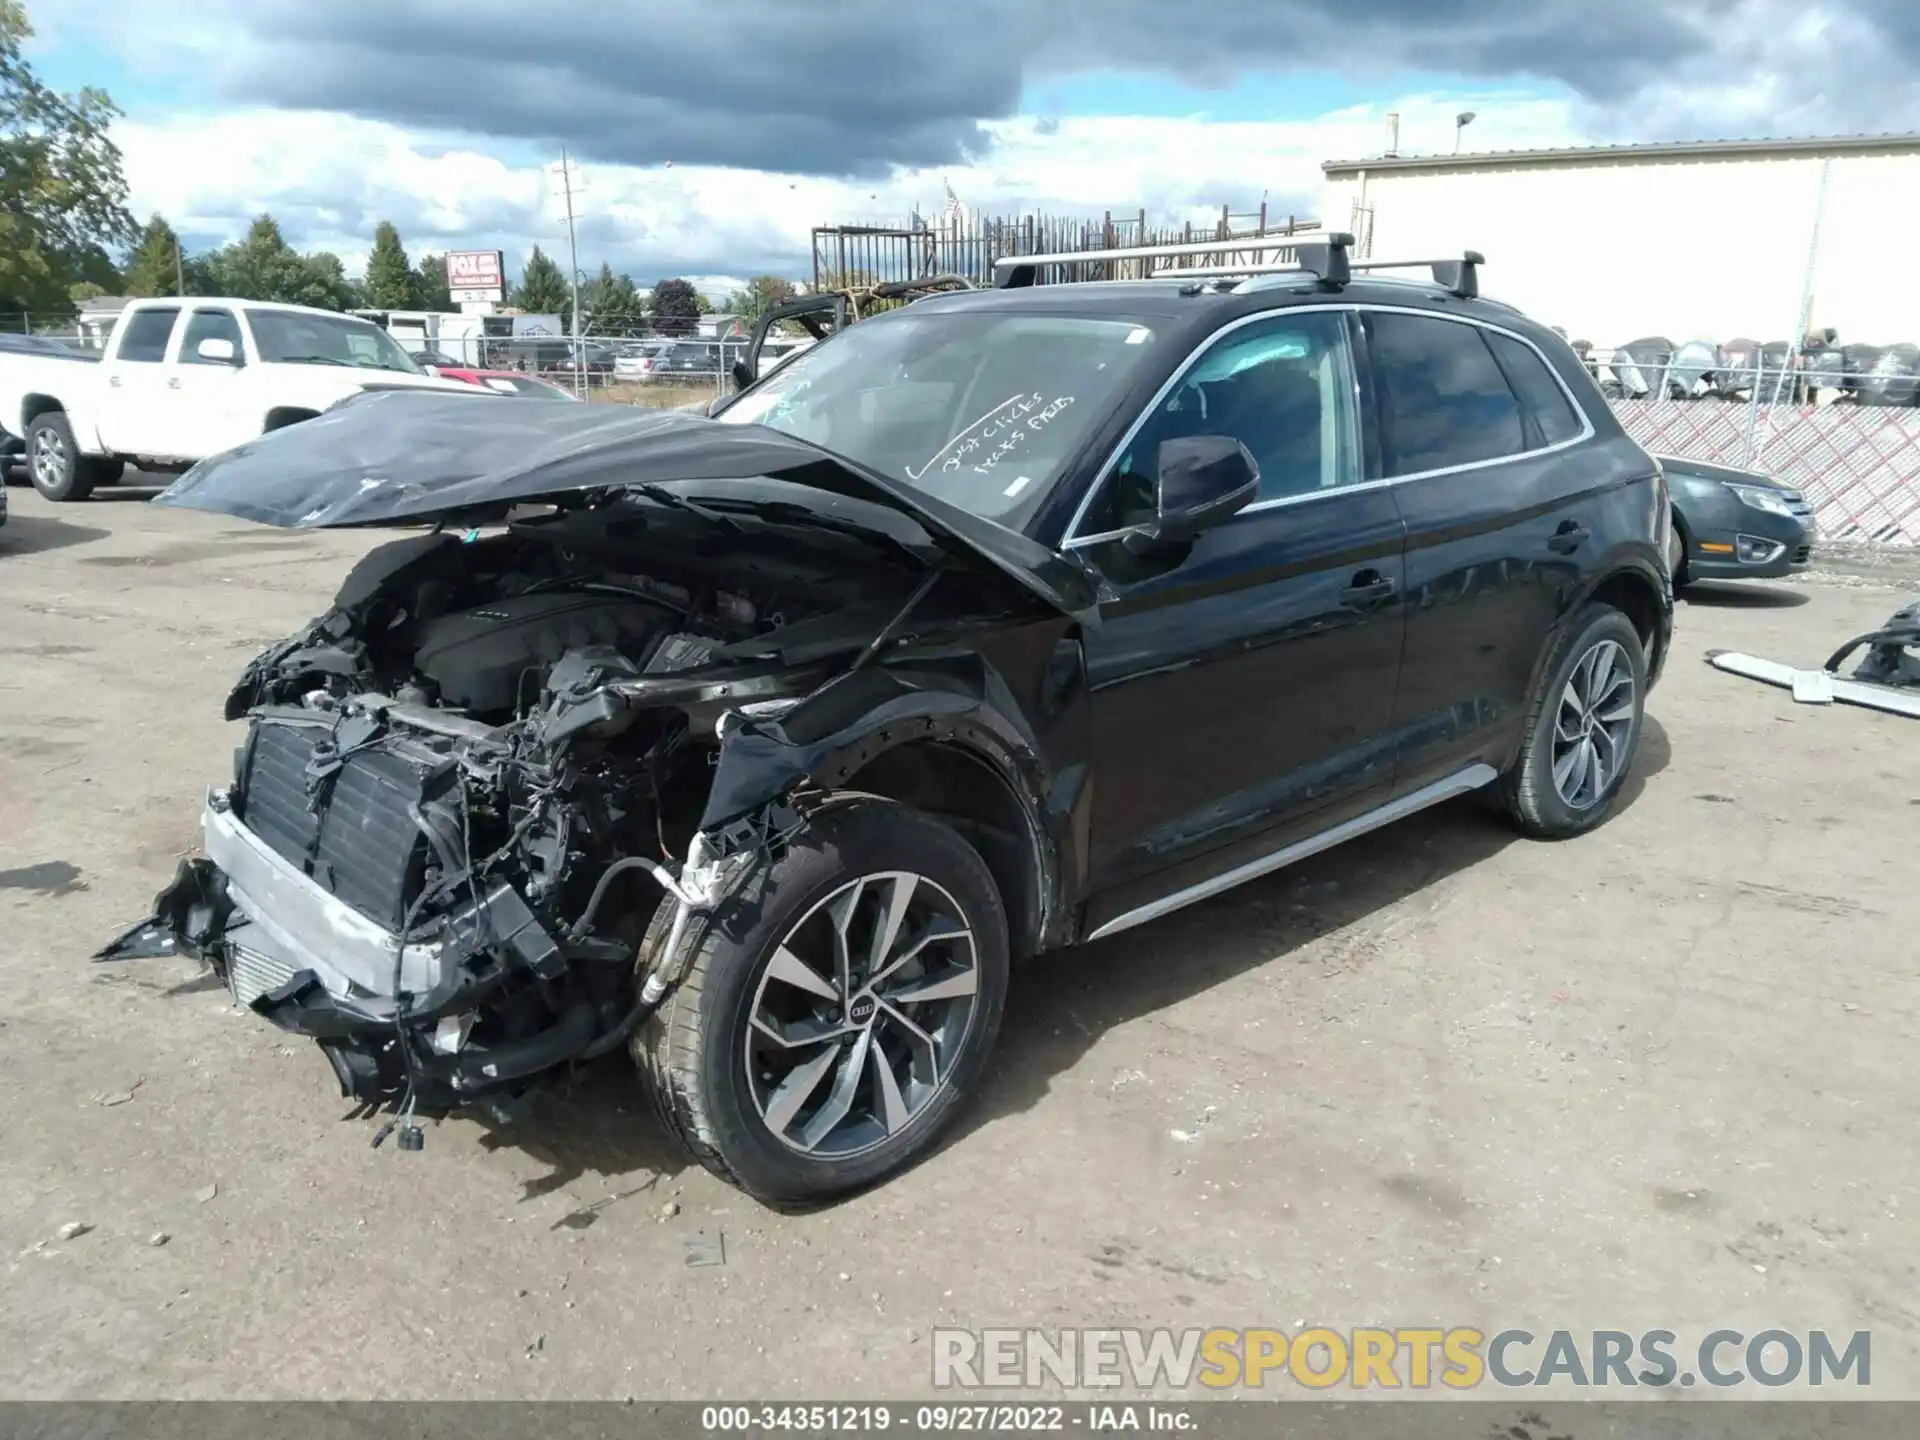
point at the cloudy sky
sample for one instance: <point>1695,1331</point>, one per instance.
<point>712,134</point>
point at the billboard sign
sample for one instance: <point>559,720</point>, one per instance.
<point>476,276</point>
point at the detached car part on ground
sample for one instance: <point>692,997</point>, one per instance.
<point>767,758</point>
<point>1887,677</point>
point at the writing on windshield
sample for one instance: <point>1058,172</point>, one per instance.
<point>982,408</point>
<point>996,435</point>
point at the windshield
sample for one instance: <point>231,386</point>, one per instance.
<point>290,337</point>
<point>979,408</point>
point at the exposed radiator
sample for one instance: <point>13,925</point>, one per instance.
<point>361,842</point>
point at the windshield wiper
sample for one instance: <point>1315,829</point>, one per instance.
<point>309,360</point>
<point>660,495</point>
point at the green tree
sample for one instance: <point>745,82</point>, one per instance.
<point>62,189</point>
<point>676,307</point>
<point>761,294</point>
<point>390,282</point>
<point>262,266</point>
<point>430,290</point>
<point>322,282</point>
<point>155,266</point>
<point>543,290</point>
<point>612,305</point>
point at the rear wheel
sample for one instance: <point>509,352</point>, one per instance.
<point>1584,729</point>
<point>839,1009</point>
<point>54,461</point>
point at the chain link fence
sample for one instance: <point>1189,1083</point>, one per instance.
<point>1842,428</point>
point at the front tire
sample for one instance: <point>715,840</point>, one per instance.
<point>1583,730</point>
<point>54,462</point>
<point>838,1010</point>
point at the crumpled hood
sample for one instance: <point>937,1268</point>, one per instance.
<point>408,457</point>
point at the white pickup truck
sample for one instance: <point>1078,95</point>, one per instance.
<point>182,379</point>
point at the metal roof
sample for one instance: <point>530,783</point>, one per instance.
<point>1663,150</point>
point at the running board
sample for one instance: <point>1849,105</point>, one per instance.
<point>1850,692</point>
<point>1427,796</point>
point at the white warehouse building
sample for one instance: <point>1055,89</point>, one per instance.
<point>1705,240</point>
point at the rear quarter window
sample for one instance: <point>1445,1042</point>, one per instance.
<point>1539,392</point>
<point>1443,400</point>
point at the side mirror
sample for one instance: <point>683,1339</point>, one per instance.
<point>1199,481</point>
<point>218,352</point>
<point>742,375</point>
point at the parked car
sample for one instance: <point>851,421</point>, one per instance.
<point>697,358</point>
<point>765,743</point>
<point>635,362</point>
<point>180,380</point>
<point>1732,524</point>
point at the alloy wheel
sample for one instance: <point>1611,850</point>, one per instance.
<point>1593,725</point>
<point>860,1014</point>
<point>49,459</point>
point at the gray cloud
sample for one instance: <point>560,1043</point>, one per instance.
<point>856,86</point>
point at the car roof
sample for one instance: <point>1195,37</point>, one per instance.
<point>1207,303</point>
<point>1188,307</point>
<point>181,302</point>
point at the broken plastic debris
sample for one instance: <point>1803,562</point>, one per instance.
<point>705,1248</point>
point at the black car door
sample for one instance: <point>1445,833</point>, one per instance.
<point>1480,439</point>
<point>1242,687</point>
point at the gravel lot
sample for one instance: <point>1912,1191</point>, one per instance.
<point>1658,1077</point>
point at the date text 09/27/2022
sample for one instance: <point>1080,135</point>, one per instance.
<point>978,1419</point>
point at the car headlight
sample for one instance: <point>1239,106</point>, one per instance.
<point>1760,498</point>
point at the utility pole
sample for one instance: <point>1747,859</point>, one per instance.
<point>573,277</point>
<point>179,269</point>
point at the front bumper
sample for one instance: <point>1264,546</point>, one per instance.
<point>1730,540</point>
<point>389,1010</point>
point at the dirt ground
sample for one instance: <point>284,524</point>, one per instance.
<point>1661,1077</point>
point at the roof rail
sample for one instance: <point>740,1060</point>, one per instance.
<point>1459,276</point>
<point>1015,271</point>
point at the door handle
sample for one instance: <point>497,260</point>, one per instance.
<point>1568,538</point>
<point>1367,589</point>
<point>114,381</point>
<point>173,383</point>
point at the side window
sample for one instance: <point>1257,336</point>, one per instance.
<point>1283,387</point>
<point>211,325</point>
<point>1538,390</point>
<point>1443,400</point>
<point>145,339</point>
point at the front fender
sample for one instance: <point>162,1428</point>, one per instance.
<point>828,738</point>
<point>848,722</point>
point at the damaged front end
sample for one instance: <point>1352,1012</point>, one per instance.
<point>486,801</point>
<point>442,902</point>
